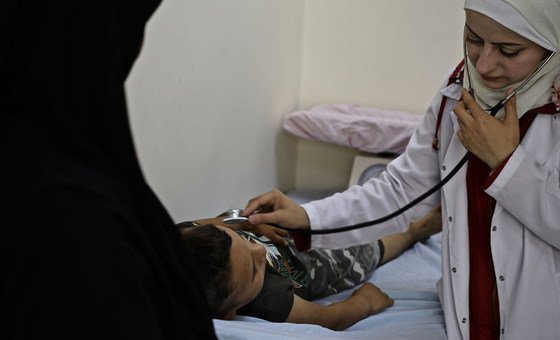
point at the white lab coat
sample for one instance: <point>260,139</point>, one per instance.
<point>525,236</point>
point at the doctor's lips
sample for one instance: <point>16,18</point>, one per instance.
<point>490,79</point>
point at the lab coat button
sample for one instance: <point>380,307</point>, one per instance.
<point>502,278</point>
<point>464,320</point>
<point>494,228</point>
<point>450,219</point>
<point>443,167</point>
<point>454,269</point>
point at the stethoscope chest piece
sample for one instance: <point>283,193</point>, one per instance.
<point>233,216</point>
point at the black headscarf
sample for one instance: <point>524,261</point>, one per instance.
<point>86,248</point>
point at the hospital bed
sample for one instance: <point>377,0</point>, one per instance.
<point>410,279</point>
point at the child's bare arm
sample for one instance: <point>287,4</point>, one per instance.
<point>396,244</point>
<point>365,301</point>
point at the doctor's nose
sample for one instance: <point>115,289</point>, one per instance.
<point>486,61</point>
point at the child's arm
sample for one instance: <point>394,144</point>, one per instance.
<point>396,244</point>
<point>365,301</point>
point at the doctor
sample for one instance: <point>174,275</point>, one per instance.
<point>501,234</point>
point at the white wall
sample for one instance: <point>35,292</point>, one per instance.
<point>390,54</point>
<point>206,99</point>
<point>215,78</point>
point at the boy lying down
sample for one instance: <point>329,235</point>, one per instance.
<point>247,274</point>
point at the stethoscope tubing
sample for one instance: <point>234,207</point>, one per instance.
<point>389,216</point>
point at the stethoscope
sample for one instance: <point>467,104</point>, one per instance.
<point>492,111</point>
<point>233,216</point>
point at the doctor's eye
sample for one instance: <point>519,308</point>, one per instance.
<point>474,41</point>
<point>509,54</point>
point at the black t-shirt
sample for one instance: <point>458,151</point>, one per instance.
<point>284,276</point>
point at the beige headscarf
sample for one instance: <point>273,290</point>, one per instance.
<point>536,20</point>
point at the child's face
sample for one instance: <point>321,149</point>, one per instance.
<point>501,56</point>
<point>248,261</point>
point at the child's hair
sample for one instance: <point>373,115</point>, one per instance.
<point>210,247</point>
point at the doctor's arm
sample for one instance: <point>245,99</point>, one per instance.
<point>531,192</point>
<point>526,189</point>
<point>276,235</point>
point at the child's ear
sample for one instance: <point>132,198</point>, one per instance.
<point>230,315</point>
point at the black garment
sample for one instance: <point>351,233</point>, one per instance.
<point>86,249</point>
<point>274,301</point>
<point>285,276</point>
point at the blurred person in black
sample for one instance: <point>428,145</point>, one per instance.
<point>87,251</point>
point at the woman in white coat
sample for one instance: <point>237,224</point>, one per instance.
<point>501,235</point>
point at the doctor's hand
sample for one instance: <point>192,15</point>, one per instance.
<point>276,208</point>
<point>492,140</point>
<point>276,235</point>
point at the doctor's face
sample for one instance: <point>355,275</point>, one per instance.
<point>501,56</point>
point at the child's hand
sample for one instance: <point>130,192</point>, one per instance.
<point>376,299</point>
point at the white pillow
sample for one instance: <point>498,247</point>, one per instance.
<point>351,125</point>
